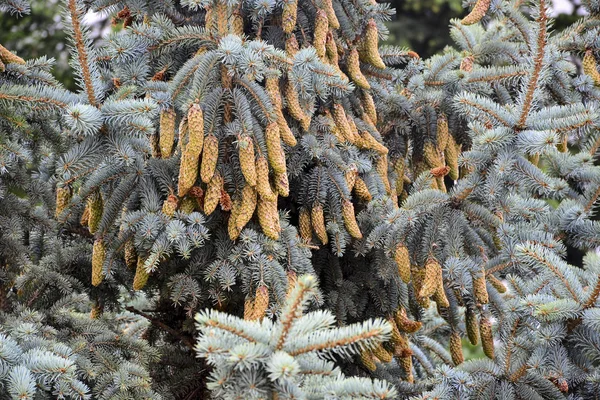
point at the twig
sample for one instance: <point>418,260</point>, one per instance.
<point>184,339</point>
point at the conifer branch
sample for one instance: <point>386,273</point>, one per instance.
<point>538,65</point>
<point>82,55</point>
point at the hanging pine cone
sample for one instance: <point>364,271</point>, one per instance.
<point>590,68</point>
<point>405,324</point>
<point>263,185</point>
<point>282,184</point>
<point>170,205</point>
<point>130,254</point>
<point>247,160</point>
<point>330,12</point>
<point>381,166</point>
<point>370,45</point>
<point>477,13</point>
<point>232,229</point>
<point>290,10</point>
<point>402,258</point>
<point>95,206</point>
<point>268,217</point>
<point>248,309</point>
<point>368,105</point>
<point>210,156</point>
<point>213,193</point>
<point>247,207</point>
<point>479,287</point>
<point>350,175</point>
<point>7,57</point>
<point>305,224</point>
<point>350,219</point>
<point>63,198</point>
<point>361,190</point>
<point>451,156</point>
<point>318,223</point>
<point>261,303</point>
<point>98,257</point>
<point>141,275</point>
<point>293,106</point>
<point>456,348</point>
<point>487,339</point>
<point>382,354</point>
<point>354,72</point>
<point>274,150</point>
<point>320,33</point>
<point>366,358</point>
<point>167,132</point>
<point>472,326</point>
<point>442,132</point>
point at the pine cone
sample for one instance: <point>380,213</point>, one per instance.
<point>451,155</point>
<point>96,208</point>
<point>263,185</point>
<point>141,276</point>
<point>320,33</point>
<point>382,354</point>
<point>213,193</point>
<point>225,201</point>
<point>130,254</point>
<point>350,175</point>
<point>402,258</point>
<point>305,224</point>
<point>479,288</point>
<point>261,303</point>
<point>290,9</point>
<point>98,257</point>
<point>341,122</point>
<point>96,311</point>
<point>248,309</point>
<point>318,223</point>
<point>590,68</point>
<point>370,46</point>
<point>167,132</point>
<point>274,150</point>
<point>442,132</point>
<point>268,217</point>
<point>477,13</point>
<point>170,205</point>
<point>354,72</point>
<point>405,324</point>
<point>487,339</point>
<point>361,190</point>
<point>382,170</point>
<point>366,358</point>
<point>369,106</point>
<point>232,228</point>
<point>210,156</point>
<point>247,159</point>
<point>293,106</point>
<point>63,198</point>
<point>247,207</point>
<point>350,219</point>
<point>456,348</point>
<point>7,57</point>
<point>330,12</point>
<point>496,283</point>
<point>472,326</point>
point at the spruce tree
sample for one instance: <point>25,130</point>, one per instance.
<point>228,155</point>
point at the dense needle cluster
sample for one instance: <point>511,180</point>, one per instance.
<point>229,155</point>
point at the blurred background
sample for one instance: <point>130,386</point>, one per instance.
<point>421,25</point>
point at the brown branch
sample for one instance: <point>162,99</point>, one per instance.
<point>156,322</point>
<point>537,68</point>
<point>81,52</point>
